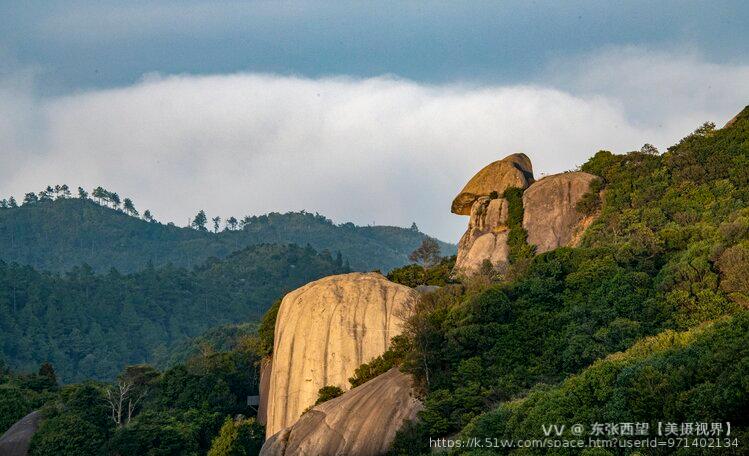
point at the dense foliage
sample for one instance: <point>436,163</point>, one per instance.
<point>179,411</point>
<point>20,394</point>
<point>414,275</point>
<point>89,325</point>
<point>59,234</point>
<point>698,376</point>
<point>669,249</point>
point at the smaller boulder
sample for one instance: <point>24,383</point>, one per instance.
<point>16,440</point>
<point>550,215</point>
<point>362,421</point>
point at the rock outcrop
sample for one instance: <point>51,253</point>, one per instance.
<point>512,171</point>
<point>15,441</point>
<point>549,210</point>
<point>486,236</point>
<point>324,331</point>
<point>363,421</point>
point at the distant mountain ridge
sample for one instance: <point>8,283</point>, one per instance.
<point>58,235</point>
<point>90,325</point>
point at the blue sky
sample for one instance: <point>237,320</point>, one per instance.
<point>363,111</point>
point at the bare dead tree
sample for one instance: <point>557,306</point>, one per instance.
<point>123,399</point>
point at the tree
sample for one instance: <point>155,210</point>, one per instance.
<point>3,204</point>
<point>428,253</point>
<point>649,149</point>
<point>12,202</point>
<point>216,223</point>
<point>231,223</point>
<point>327,393</point>
<point>46,370</point>
<point>82,194</point>
<point>131,387</point>
<point>30,198</point>
<point>67,435</point>
<point>238,437</point>
<point>129,207</point>
<point>147,216</point>
<point>46,194</point>
<point>64,191</point>
<point>100,194</point>
<point>414,227</point>
<point>706,129</point>
<point>115,199</point>
<point>200,221</point>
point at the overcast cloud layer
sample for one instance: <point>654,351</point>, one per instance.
<point>377,150</point>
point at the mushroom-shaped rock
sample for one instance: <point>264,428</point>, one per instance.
<point>362,421</point>
<point>324,331</point>
<point>512,171</point>
<point>15,441</point>
<point>549,210</point>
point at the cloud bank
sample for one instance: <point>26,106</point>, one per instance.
<point>379,150</point>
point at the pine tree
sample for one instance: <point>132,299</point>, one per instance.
<point>200,221</point>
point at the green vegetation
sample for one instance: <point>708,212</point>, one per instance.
<point>672,378</point>
<point>179,411</point>
<point>517,236</point>
<point>669,250</point>
<point>327,393</point>
<point>414,275</point>
<point>22,394</point>
<point>90,325</point>
<point>57,233</point>
<point>238,437</point>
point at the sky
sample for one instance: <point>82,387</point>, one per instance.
<point>370,112</point>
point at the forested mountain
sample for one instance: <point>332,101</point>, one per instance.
<point>645,321</point>
<point>668,250</point>
<point>90,325</point>
<point>58,234</point>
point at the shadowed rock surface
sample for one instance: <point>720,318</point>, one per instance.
<point>266,364</point>
<point>16,440</point>
<point>512,171</point>
<point>362,422</point>
<point>324,331</point>
<point>550,216</point>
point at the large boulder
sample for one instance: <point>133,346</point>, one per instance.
<point>549,210</point>
<point>324,331</point>
<point>363,421</point>
<point>486,236</point>
<point>15,441</point>
<point>512,171</point>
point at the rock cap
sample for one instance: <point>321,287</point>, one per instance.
<point>514,170</point>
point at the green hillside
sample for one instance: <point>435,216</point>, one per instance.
<point>90,325</point>
<point>58,234</point>
<point>689,377</point>
<point>669,250</point>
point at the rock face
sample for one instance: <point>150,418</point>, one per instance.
<point>486,236</point>
<point>550,217</point>
<point>16,440</point>
<point>512,171</point>
<point>324,331</point>
<point>361,422</point>
<point>266,364</point>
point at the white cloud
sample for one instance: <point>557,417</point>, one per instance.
<point>380,150</point>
